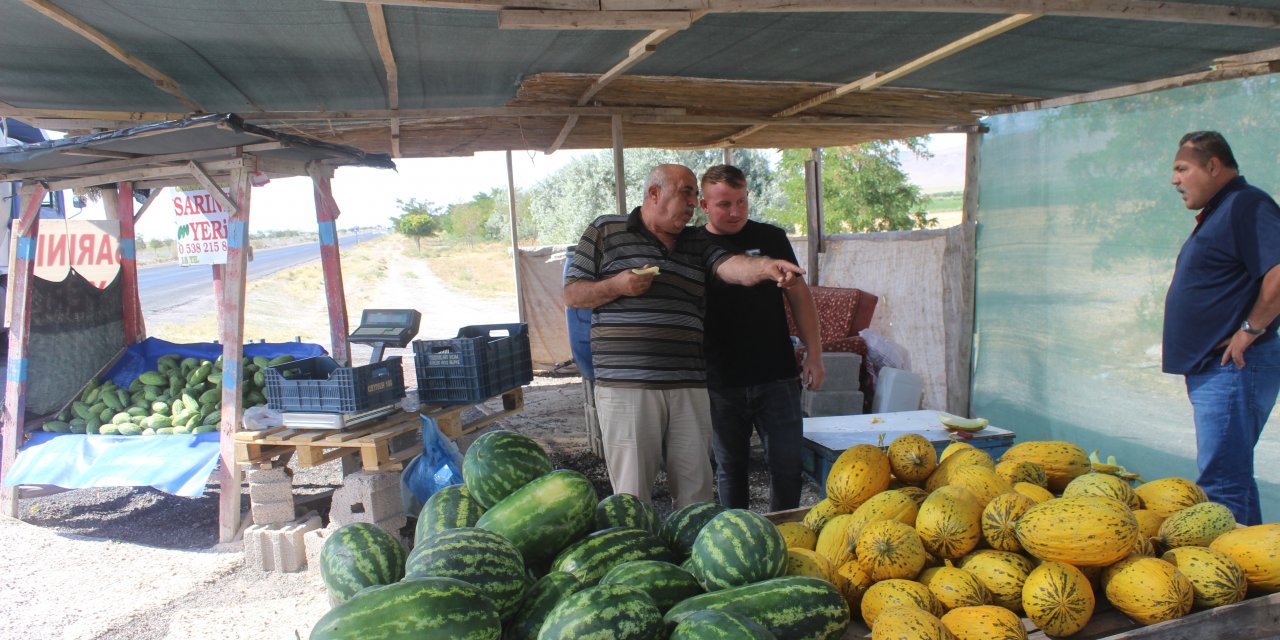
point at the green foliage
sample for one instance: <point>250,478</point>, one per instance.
<point>420,220</point>
<point>863,188</point>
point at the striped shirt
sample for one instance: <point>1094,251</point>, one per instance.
<point>654,340</point>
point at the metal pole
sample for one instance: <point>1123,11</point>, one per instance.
<point>728,155</point>
<point>969,220</point>
<point>515,235</point>
<point>620,188</point>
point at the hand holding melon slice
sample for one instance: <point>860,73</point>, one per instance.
<point>646,271</point>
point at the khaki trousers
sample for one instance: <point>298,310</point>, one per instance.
<point>647,429</point>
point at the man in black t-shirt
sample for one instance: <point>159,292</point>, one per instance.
<point>752,377</point>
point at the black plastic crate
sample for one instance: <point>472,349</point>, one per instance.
<point>319,384</point>
<point>483,361</point>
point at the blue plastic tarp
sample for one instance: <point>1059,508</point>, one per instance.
<point>177,464</point>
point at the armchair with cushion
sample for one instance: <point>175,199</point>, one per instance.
<point>842,313</point>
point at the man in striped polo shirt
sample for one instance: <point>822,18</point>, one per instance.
<point>646,333</point>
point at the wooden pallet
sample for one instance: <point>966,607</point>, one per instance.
<point>272,448</point>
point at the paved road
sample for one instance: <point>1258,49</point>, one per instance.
<point>168,285</point>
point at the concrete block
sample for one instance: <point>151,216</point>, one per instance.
<point>842,371</point>
<point>278,547</point>
<point>816,404</point>
<point>269,476</point>
<point>277,512</point>
<point>275,492</point>
<point>313,541</point>
<point>367,497</point>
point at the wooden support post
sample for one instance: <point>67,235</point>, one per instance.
<point>21,273</point>
<point>969,220</point>
<point>728,155</point>
<point>118,203</point>
<point>219,272</point>
<point>231,309</point>
<point>515,235</point>
<point>619,180</point>
<point>331,262</point>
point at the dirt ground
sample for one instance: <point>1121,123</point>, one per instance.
<point>130,563</point>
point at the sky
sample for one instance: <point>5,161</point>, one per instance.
<point>367,197</point>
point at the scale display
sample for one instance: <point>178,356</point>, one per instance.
<point>387,327</point>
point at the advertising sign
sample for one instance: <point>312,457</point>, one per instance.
<point>91,247</point>
<point>202,228</point>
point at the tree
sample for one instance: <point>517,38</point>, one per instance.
<point>420,219</point>
<point>863,188</point>
<point>466,221</point>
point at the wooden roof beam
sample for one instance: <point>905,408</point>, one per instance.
<point>1185,80</point>
<point>117,118</point>
<point>378,22</point>
<point>594,20</point>
<point>162,81</point>
<point>878,79</point>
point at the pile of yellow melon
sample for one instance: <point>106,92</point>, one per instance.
<point>963,547</point>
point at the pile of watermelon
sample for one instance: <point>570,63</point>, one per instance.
<point>524,552</point>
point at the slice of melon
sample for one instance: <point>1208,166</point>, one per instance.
<point>646,271</point>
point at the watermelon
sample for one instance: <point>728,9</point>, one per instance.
<point>681,528</point>
<point>499,462</point>
<point>538,601</point>
<point>476,556</point>
<point>626,510</point>
<point>735,548</point>
<point>710,624</point>
<point>412,609</point>
<point>604,612</point>
<point>593,556</point>
<point>793,607</point>
<point>360,555</point>
<point>449,508</point>
<point>666,583</point>
<point>544,516</point>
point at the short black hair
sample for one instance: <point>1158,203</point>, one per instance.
<point>1210,144</point>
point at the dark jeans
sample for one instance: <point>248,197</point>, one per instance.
<point>1231,407</point>
<point>772,409</point>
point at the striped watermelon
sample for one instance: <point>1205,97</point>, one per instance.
<point>499,462</point>
<point>666,583</point>
<point>538,601</point>
<point>681,527</point>
<point>415,608</point>
<point>544,516</point>
<point>449,508</point>
<point>476,556</point>
<point>738,547</point>
<point>792,607</point>
<point>593,556</point>
<point>604,612</point>
<point>710,624</point>
<point>360,555</point>
<point>626,510</point>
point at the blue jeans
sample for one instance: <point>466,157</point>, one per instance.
<point>1231,407</point>
<point>772,409</point>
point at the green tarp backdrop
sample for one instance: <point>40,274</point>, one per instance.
<point>1078,230</point>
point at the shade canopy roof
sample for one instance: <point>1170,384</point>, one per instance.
<point>418,78</point>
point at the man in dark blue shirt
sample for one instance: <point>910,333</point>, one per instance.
<point>1220,317</point>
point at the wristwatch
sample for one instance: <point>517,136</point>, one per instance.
<point>1247,328</point>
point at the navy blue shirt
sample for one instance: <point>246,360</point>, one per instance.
<point>1218,276</point>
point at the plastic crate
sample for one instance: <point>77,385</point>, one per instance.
<point>319,384</point>
<point>483,361</point>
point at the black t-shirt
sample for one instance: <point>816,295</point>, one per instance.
<point>747,341</point>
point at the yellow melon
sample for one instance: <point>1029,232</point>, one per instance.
<point>1215,578</point>
<point>1062,461</point>
<point>984,622</point>
<point>951,449</point>
<point>852,583</point>
<point>1035,492</point>
<point>949,522</point>
<point>892,504</point>
<point>896,592</point>
<point>1196,526</point>
<point>1149,590</point>
<point>1104,485</point>
<point>1022,471</point>
<point>834,542</point>
<point>999,518</point>
<point>1086,531</point>
<point>798,536</point>
<point>860,472</point>
<point>1144,546</point>
<point>905,621</point>
<point>890,549</point>
<point>916,493</point>
<point>1058,598</point>
<point>1148,522</point>
<point>1002,572</point>
<point>803,562</point>
<point>1257,550</point>
<point>982,482</point>
<point>1166,495</point>
<point>961,458</point>
<point>912,458</point>
<point>955,587</point>
<point>820,513</point>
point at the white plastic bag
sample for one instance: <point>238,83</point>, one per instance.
<point>883,352</point>
<point>259,418</point>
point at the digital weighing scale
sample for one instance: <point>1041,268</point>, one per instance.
<point>379,328</point>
